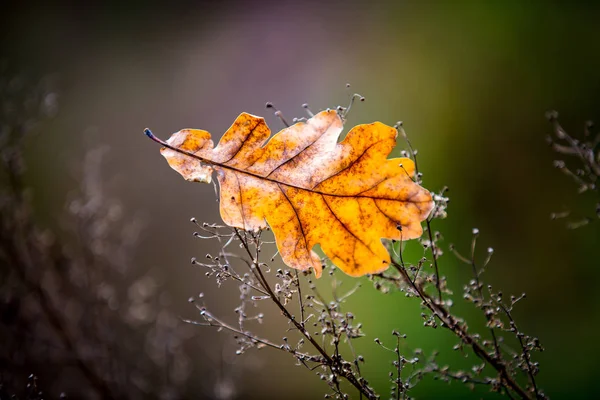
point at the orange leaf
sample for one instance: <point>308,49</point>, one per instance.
<point>310,189</point>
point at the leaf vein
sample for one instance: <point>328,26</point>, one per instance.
<point>344,225</point>
<point>301,151</point>
<point>243,142</point>
<point>298,218</point>
<point>348,166</point>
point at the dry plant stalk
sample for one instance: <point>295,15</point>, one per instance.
<point>324,331</point>
<point>74,306</point>
<point>583,166</point>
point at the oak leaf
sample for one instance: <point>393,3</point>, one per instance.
<point>309,188</point>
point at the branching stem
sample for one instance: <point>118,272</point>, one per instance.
<point>329,361</point>
<point>450,322</point>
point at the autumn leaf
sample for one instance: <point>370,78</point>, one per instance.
<point>309,188</point>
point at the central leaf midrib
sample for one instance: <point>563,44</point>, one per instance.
<point>220,165</point>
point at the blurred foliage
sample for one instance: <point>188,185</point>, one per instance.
<point>470,80</point>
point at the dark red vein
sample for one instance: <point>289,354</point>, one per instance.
<point>344,225</point>
<point>349,165</point>
<point>241,200</point>
<point>301,151</point>
<point>244,141</point>
<point>384,213</point>
<point>221,165</point>
<point>299,222</point>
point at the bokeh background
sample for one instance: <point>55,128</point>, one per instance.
<point>470,80</point>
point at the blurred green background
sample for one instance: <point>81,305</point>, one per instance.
<point>470,80</point>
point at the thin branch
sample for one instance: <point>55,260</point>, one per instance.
<point>329,361</point>
<point>523,348</point>
<point>301,303</point>
<point>435,263</point>
<point>450,323</point>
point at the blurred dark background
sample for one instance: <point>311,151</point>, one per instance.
<point>471,81</point>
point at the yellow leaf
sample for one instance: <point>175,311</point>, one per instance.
<point>309,188</point>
